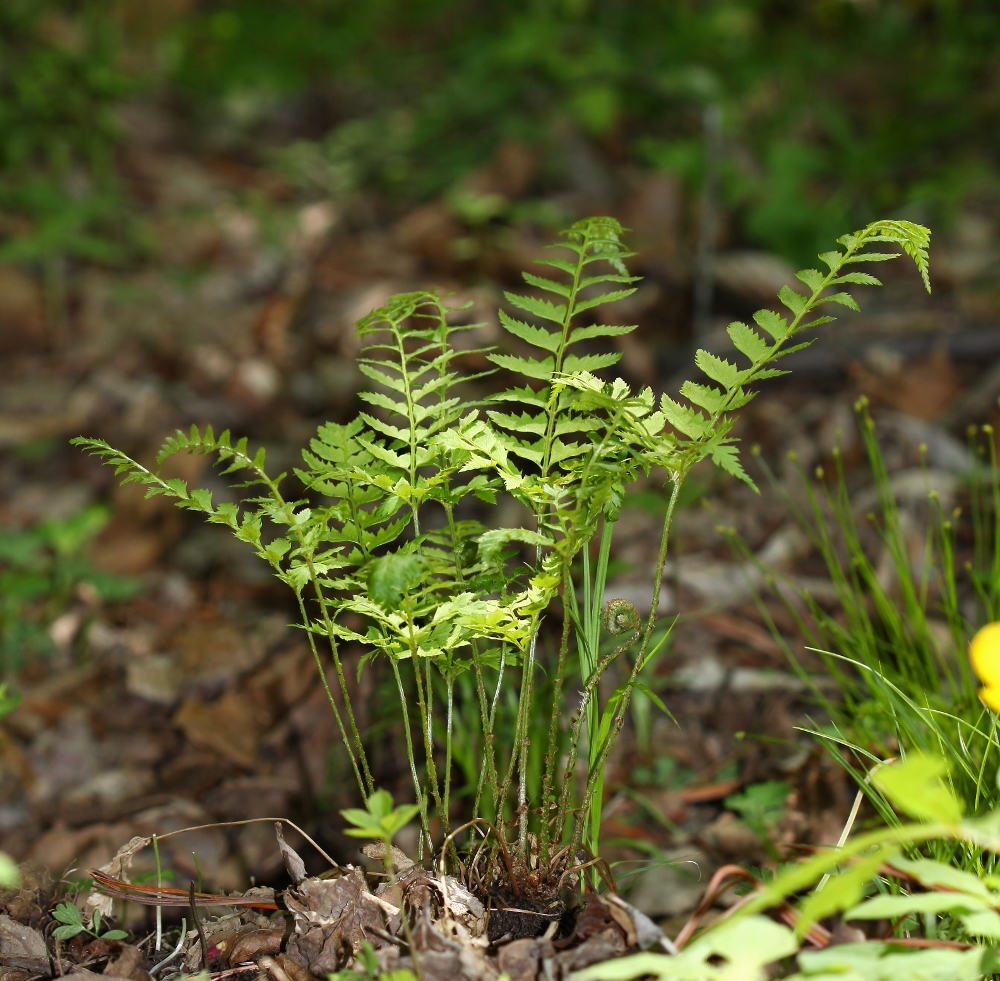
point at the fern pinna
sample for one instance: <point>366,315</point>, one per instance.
<point>386,527</point>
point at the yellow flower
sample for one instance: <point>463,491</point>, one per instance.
<point>984,653</point>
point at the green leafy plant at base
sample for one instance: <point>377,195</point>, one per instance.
<point>385,534</point>
<point>68,914</point>
<point>901,686</point>
<point>381,822</point>
<point>869,880</point>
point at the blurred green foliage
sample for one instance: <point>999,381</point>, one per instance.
<point>833,109</point>
<point>41,569</point>
<point>59,86</point>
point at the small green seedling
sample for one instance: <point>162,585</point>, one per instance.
<point>761,806</point>
<point>382,822</point>
<point>72,924</point>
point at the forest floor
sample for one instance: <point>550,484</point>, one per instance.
<point>194,702</point>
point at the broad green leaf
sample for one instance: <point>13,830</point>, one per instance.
<point>536,425</point>
<point>524,366</point>
<point>660,966</point>
<point>773,323</point>
<point>916,787</point>
<point>68,913</point>
<point>612,296</point>
<point>844,299</point>
<point>982,923</point>
<point>537,336</point>
<point>749,941</point>
<point>590,362</point>
<point>540,308</point>
<point>813,278</point>
<point>383,453</point>
<point>383,401</point>
<point>747,341</point>
<point>393,383</point>
<point>718,369</point>
<point>542,283</point>
<point>832,259</point>
<point>873,256</point>
<point>930,873</point>
<point>706,397</point>
<point>576,424</point>
<point>494,541</point>
<point>843,889</point>
<point>390,576</point>
<point>385,428</point>
<point>597,330</point>
<point>683,418</point>
<point>893,907</point>
<point>563,265</point>
<point>587,281</point>
<point>565,451</point>
<point>795,302</point>
<point>863,279</point>
<point>873,961</point>
<point>727,457</point>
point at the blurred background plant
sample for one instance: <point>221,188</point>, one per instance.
<point>60,185</point>
<point>43,569</point>
<point>829,111</point>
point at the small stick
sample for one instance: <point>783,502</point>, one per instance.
<point>236,824</point>
<point>199,928</point>
<point>159,883</point>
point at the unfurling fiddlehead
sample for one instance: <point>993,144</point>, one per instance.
<point>620,615</point>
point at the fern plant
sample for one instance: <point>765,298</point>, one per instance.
<point>384,530</point>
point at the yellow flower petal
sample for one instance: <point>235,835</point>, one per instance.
<point>984,653</point>
<point>991,697</point>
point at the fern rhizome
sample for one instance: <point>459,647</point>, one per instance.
<point>385,549</point>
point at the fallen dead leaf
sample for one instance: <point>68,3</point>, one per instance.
<point>22,946</point>
<point>250,945</point>
<point>522,959</point>
<point>127,963</point>
<point>230,726</point>
<point>332,919</point>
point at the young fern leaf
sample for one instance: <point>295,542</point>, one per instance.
<point>706,424</point>
<point>407,351</point>
<point>539,433</point>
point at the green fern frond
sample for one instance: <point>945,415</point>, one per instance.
<point>593,240</point>
<point>702,429</point>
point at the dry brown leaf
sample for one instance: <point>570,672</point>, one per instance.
<point>230,726</point>
<point>250,945</point>
<point>22,946</point>
<point>522,959</point>
<point>117,868</point>
<point>332,918</point>
<point>127,964</point>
